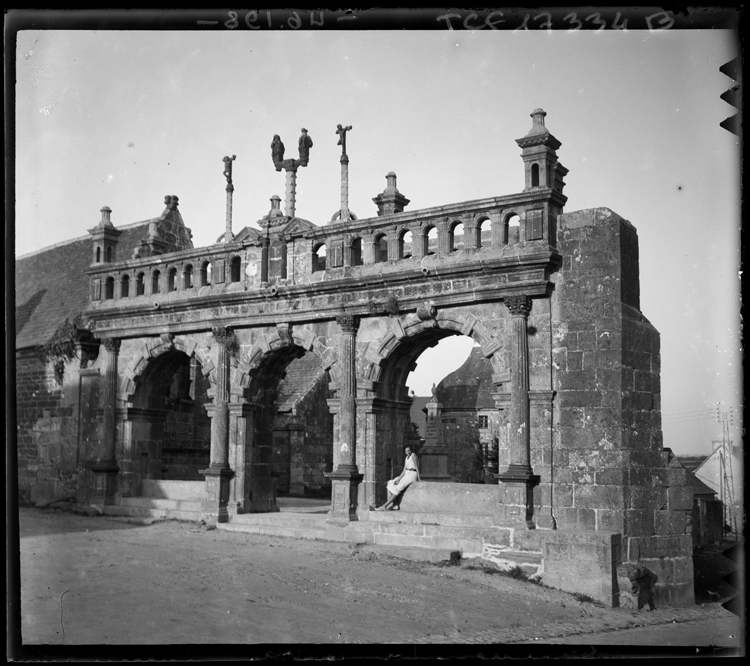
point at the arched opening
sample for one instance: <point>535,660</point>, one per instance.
<point>319,257</point>
<point>430,240</point>
<point>404,244</point>
<point>235,269</point>
<point>174,441</point>
<point>109,255</point>
<point>355,250</point>
<point>140,284</point>
<point>381,248</point>
<point>290,391</point>
<point>124,286</point>
<point>109,288</point>
<point>534,175</point>
<point>456,237</point>
<point>454,444</point>
<point>155,282</point>
<point>484,233</point>
<point>98,254</point>
<point>172,279</point>
<point>512,229</point>
<point>187,277</point>
<point>205,274</point>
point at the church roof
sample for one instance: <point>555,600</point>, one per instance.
<point>51,285</point>
<point>470,386</point>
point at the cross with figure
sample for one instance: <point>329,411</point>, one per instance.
<point>228,167</point>
<point>341,131</point>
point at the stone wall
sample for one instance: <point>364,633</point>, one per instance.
<point>610,472</point>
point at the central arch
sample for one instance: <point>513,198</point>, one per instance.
<point>385,404</point>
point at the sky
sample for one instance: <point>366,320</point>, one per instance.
<point>122,118</point>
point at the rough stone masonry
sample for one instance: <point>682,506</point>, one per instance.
<point>186,347</point>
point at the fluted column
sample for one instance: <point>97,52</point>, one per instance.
<point>345,188</point>
<point>518,479</point>
<point>347,394</point>
<point>218,473</point>
<point>264,246</point>
<point>345,476</point>
<point>228,236</point>
<point>104,465</point>
<point>520,455</point>
<point>291,192</point>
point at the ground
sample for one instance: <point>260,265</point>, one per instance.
<point>94,580</point>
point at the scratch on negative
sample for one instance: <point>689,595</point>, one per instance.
<point>62,626</point>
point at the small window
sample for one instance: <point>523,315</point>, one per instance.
<point>483,421</point>
<point>125,286</point>
<point>430,241</point>
<point>484,233</point>
<point>235,267</point>
<point>381,249</point>
<point>187,277</point>
<point>109,289</point>
<point>140,286</point>
<point>404,245</point>
<point>98,254</point>
<point>172,279</point>
<point>319,258</point>
<point>356,252</point>
<point>205,273</point>
<point>155,279</point>
<point>534,175</point>
<point>109,255</point>
<point>457,237</point>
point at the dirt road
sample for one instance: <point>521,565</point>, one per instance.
<point>92,580</point>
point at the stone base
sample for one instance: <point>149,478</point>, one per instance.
<point>433,465</point>
<point>344,486</point>
<point>214,503</point>
<point>262,497</point>
<point>105,481</point>
<point>515,496</point>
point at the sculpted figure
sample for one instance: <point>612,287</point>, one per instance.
<point>305,143</point>
<point>277,152</point>
<point>341,131</point>
<point>228,167</point>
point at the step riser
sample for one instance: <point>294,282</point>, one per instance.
<point>139,512</point>
<point>152,503</point>
<point>465,546</point>
<point>269,530</point>
<point>448,520</point>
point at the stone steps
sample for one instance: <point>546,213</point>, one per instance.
<point>295,525</point>
<point>160,503</point>
<point>165,513</point>
<point>175,490</point>
<point>435,555</point>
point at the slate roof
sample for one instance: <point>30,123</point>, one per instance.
<point>470,386</point>
<point>51,285</point>
<point>302,375</point>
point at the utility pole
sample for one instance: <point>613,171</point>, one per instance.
<point>726,476</point>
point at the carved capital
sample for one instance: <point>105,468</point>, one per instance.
<point>518,305</point>
<point>348,323</point>
<point>112,345</point>
<point>221,334</point>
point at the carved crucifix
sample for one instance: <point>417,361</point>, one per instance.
<point>341,131</point>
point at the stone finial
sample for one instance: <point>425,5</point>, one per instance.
<point>275,207</point>
<point>391,200</point>
<point>106,213</point>
<point>538,127</point>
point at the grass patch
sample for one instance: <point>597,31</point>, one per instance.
<point>586,599</point>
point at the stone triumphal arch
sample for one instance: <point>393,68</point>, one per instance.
<point>550,298</point>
